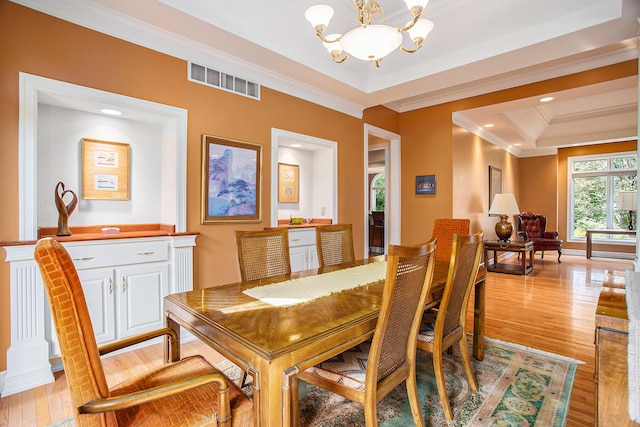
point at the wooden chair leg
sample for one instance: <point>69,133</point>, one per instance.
<point>467,363</point>
<point>438,370</point>
<point>295,409</point>
<point>559,253</point>
<point>414,399</point>
<point>370,412</point>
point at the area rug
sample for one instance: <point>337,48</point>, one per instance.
<point>518,386</point>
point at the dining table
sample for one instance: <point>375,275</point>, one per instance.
<point>271,343</point>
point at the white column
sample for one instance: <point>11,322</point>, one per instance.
<point>28,355</point>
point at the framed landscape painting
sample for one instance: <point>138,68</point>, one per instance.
<point>231,180</point>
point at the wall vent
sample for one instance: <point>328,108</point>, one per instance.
<point>220,80</point>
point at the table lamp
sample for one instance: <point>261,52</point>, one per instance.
<point>504,204</point>
<point>627,201</point>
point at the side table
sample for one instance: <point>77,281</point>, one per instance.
<point>522,248</point>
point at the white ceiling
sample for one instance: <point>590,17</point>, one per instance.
<point>476,47</point>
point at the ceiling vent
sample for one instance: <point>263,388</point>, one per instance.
<point>220,80</point>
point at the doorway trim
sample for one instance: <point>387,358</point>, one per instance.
<point>393,182</point>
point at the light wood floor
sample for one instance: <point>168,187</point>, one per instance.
<point>551,309</point>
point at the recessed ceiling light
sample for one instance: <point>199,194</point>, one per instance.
<point>547,99</point>
<point>489,125</point>
<point>517,144</point>
<point>296,145</point>
<point>111,112</point>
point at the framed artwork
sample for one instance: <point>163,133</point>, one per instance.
<point>288,183</point>
<point>495,184</point>
<point>105,170</point>
<point>425,184</point>
<point>231,180</point>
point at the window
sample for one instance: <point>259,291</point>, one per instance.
<point>376,198</point>
<point>595,182</point>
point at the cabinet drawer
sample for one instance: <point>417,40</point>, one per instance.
<point>302,237</point>
<point>115,254</point>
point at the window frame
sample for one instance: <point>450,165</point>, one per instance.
<point>609,173</point>
<point>374,188</point>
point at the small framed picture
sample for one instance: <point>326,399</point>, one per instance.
<point>426,184</point>
<point>288,185</point>
<point>105,170</point>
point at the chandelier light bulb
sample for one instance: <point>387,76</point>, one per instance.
<point>416,5</point>
<point>420,30</point>
<point>319,16</point>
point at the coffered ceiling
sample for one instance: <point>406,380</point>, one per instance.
<point>476,47</point>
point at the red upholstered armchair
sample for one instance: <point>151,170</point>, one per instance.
<point>533,227</point>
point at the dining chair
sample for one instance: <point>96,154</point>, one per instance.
<point>181,392</point>
<point>263,253</point>
<point>443,230</point>
<point>334,244</point>
<point>376,231</point>
<point>449,327</point>
<point>371,370</point>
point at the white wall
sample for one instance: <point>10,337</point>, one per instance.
<point>59,140</point>
<point>316,183</point>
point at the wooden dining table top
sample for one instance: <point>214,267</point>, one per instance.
<point>272,331</point>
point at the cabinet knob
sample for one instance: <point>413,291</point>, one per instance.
<point>110,286</point>
<point>124,284</point>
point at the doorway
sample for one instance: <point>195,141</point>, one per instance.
<point>376,139</point>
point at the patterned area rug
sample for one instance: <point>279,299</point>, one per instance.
<point>518,386</point>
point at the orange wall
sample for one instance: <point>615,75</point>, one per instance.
<point>472,157</point>
<point>538,182</point>
<point>38,44</point>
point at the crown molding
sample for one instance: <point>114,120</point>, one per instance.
<point>104,20</point>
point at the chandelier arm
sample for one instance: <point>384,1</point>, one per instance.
<point>324,40</point>
<point>338,60</point>
<point>411,23</point>
<point>404,49</point>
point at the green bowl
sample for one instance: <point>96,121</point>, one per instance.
<point>296,221</point>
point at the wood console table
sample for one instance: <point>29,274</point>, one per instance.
<point>522,248</point>
<point>611,339</point>
<point>594,231</point>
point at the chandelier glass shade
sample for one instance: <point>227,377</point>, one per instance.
<point>371,41</point>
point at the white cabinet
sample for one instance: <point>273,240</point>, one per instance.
<point>124,280</point>
<point>302,248</point>
<point>124,301</point>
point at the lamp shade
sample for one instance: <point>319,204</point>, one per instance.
<point>504,204</point>
<point>626,201</point>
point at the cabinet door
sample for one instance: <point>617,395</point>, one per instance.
<point>298,258</point>
<point>313,257</point>
<point>141,289</point>
<point>99,292</point>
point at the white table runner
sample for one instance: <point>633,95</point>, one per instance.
<point>297,291</point>
<point>632,290</point>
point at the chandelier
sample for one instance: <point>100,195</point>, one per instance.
<point>372,40</point>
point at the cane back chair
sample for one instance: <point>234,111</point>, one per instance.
<point>368,372</point>
<point>263,253</point>
<point>334,244</point>
<point>449,327</point>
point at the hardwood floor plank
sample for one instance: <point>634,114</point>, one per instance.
<point>553,309</point>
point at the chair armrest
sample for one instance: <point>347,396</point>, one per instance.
<point>128,400</point>
<point>522,236</point>
<point>136,339</point>
<point>550,235</point>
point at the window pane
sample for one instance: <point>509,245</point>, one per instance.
<point>589,204</point>
<point>590,165</point>
<point>379,181</point>
<point>625,163</point>
<point>621,218</point>
<point>379,200</point>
